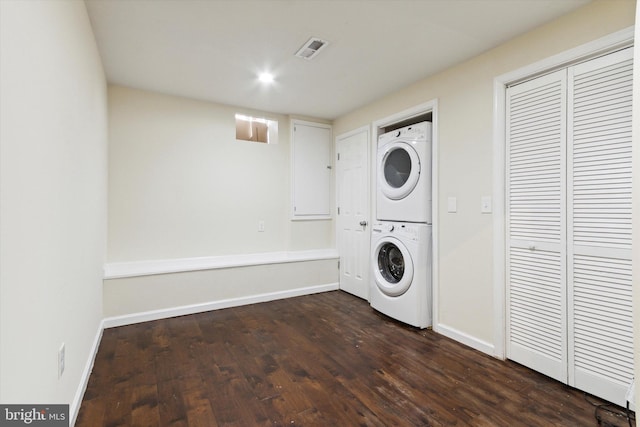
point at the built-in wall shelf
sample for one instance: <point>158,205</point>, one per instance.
<point>117,270</point>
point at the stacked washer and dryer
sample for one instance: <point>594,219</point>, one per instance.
<point>401,236</point>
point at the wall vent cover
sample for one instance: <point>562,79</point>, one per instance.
<point>311,48</point>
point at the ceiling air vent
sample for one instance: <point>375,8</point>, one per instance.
<point>311,48</point>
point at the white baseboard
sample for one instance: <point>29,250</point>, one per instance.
<point>129,319</point>
<point>465,339</point>
<point>74,408</point>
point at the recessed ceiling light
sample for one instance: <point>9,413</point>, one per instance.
<point>266,77</point>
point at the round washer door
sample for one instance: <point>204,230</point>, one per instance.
<point>399,170</point>
<point>393,266</point>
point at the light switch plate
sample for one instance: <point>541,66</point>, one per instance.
<point>485,204</point>
<point>452,205</point>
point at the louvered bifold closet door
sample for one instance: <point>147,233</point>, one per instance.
<point>536,225</point>
<point>599,215</point>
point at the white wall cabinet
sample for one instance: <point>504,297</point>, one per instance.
<point>569,312</point>
<point>312,168</point>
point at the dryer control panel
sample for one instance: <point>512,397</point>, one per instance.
<point>404,230</point>
<point>417,132</point>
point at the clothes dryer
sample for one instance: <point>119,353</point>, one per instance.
<point>401,260</point>
<point>404,174</point>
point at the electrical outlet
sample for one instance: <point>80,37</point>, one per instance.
<point>452,205</point>
<point>61,361</point>
<point>485,204</point>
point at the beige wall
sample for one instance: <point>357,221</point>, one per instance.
<point>181,186</point>
<point>465,97</point>
<point>53,190</point>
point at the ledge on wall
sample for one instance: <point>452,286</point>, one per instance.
<point>119,270</point>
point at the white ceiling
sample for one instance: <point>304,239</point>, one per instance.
<point>214,49</point>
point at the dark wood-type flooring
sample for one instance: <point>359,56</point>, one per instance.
<point>319,360</point>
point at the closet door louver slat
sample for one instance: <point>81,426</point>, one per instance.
<point>536,226</point>
<point>599,214</point>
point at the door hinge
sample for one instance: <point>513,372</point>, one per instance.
<point>338,156</point>
<point>338,264</point>
<point>338,210</point>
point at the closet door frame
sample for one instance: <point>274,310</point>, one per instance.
<point>602,46</point>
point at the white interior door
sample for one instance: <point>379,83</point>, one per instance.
<point>536,225</point>
<point>352,224</point>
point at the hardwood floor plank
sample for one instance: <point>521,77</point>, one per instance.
<point>319,360</point>
<point>199,412</point>
<point>171,406</point>
<point>144,405</point>
<point>92,413</point>
<point>118,407</point>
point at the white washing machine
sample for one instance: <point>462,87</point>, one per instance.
<point>404,174</point>
<point>401,260</point>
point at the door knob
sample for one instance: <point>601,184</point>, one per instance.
<point>363,223</point>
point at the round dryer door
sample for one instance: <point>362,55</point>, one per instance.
<point>399,170</point>
<point>393,267</point>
